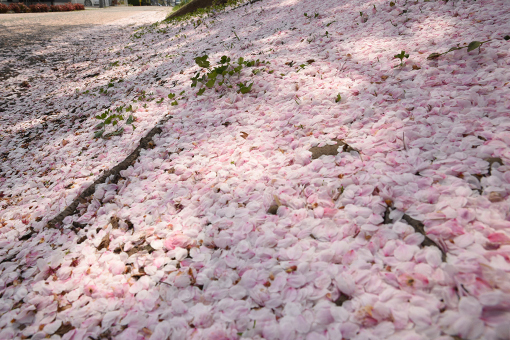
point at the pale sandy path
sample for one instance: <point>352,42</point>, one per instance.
<point>28,28</point>
<point>32,37</point>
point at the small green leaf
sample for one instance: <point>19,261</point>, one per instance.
<point>182,92</point>
<point>433,56</point>
<point>212,75</point>
<point>171,96</point>
<point>221,69</point>
<point>194,80</point>
<point>202,61</point>
<point>210,83</point>
<point>98,134</point>
<point>392,4</point>
<point>401,55</point>
<point>130,119</point>
<point>174,103</point>
<point>338,98</point>
<point>114,122</point>
<point>474,45</point>
<point>224,59</point>
<point>243,88</point>
<point>117,132</point>
<point>201,91</point>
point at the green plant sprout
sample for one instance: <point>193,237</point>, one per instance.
<point>110,118</point>
<point>470,47</point>
<point>401,56</point>
<point>301,67</point>
<point>222,73</point>
<point>243,88</point>
<point>316,15</point>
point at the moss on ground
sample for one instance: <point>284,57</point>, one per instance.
<point>195,5</point>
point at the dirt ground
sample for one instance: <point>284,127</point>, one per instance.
<point>37,28</point>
